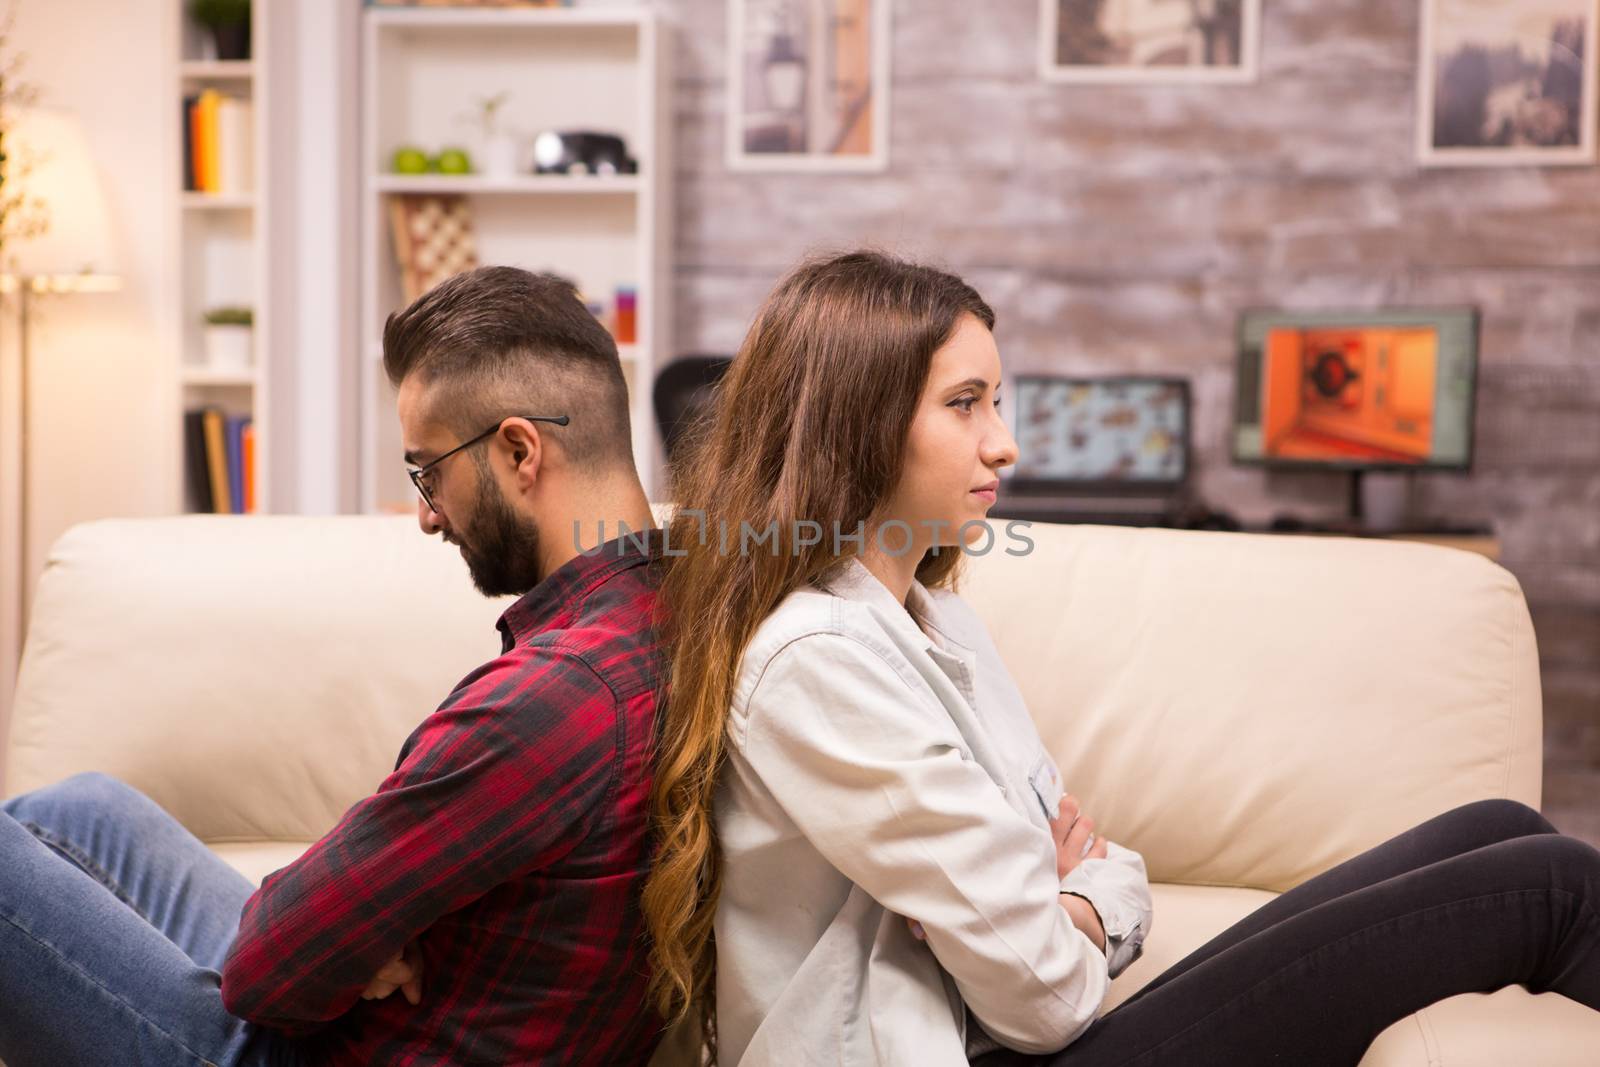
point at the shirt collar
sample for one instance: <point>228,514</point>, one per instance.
<point>556,601</point>
<point>853,581</point>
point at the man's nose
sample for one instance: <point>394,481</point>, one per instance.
<point>427,518</point>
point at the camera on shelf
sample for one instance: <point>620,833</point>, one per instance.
<point>582,152</point>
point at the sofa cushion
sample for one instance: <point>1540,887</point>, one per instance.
<point>1508,1026</point>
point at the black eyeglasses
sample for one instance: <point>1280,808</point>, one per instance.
<point>419,474</point>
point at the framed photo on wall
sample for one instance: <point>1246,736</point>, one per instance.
<point>1124,42</point>
<point>1507,82</point>
<point>808,85</point>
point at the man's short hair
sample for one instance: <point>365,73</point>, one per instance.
<point>501,341</point>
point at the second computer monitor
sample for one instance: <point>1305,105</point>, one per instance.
<point>1102,433</point>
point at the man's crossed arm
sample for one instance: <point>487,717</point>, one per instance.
<point>502,780</point>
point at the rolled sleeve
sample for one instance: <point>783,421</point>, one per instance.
<point>878,779</point>
<point>1119,889</point>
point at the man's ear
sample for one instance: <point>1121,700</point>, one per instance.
<point>525,441</point>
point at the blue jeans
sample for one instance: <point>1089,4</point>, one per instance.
<point>1485,895</point>
<point>114,923</point>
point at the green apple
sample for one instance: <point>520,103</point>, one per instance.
<point>454,161</point>
<point>409,159</point>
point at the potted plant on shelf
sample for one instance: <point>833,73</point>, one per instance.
<point>499,144</point>
<point>228,337</point>
<point>229,23</point>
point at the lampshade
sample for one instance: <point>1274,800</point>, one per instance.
<point>48,160</point>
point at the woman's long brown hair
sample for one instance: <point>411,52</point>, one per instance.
<point>809,423</point>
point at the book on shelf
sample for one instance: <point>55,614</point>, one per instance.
<point>233,427</point>
<point>219,143</point>
<point>248,447</point>
<point>190,181</point>
<point>219,457</point>
<point>194,455</point>
<point>216,460</point>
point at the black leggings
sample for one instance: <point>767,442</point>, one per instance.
<point>1486,895</point>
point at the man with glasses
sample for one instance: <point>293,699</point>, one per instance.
<point>493,879</point>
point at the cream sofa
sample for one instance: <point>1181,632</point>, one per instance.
<point>1245,710</point>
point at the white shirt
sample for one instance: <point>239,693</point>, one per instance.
<point>881,766</point>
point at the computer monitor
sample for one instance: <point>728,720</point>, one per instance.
<point>1356,391</point>
<point>1123,434</point>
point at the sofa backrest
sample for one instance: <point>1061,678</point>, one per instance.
<point>1250,709</point>
<point>255,675</point>
<point>1243,709</point>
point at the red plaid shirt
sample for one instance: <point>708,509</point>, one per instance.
<point>510,843</point>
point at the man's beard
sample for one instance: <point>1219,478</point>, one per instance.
<point>501,548</point>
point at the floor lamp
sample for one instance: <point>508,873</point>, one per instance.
<point>47,164</point>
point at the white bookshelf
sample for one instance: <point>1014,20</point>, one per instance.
<point>223,244</point>
<point>423,70</point>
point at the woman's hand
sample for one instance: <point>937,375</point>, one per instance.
<point>404,973</point>
<point>1072,830</point>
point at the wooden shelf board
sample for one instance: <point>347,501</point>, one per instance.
<point>217,69</point>
<point>208,376</point>
<point>536,184</point>
<point>218,201</point>
<point>625,353</point>
<point>502,18</point>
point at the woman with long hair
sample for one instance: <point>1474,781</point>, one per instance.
<point>865,855</point>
